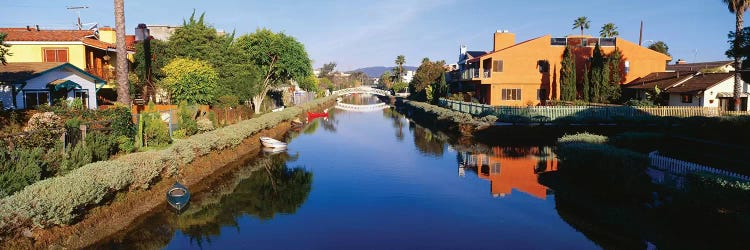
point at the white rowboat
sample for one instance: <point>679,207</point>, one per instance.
<point>271,142</point>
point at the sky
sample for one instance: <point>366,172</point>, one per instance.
<point>359,33</point>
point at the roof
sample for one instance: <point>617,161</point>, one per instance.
<point>697,66</point>
<point>658,79</point>
<point>32,34</point>
<point>700,82</point>
<point>14,72</point>
<point>475,54</point>
<point>97,44</point>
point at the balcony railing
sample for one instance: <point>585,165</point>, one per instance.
<point>102,73</point>
<point>469,74</point>
<point>487,73</point>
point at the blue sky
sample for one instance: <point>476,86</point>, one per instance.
<point>359,33</point>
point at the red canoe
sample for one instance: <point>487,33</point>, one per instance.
<point>311,116</point>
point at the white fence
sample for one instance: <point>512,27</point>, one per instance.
<point>679,167</point>
<point>361,108</point>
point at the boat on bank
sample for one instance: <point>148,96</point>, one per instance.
<point>271,142</point>
<point>311,115</point>
<point>178,196</point>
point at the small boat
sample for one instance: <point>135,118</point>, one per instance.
<point>271,142</point>
<point>178,196</point>
<point>311,116</point>
<point>273,151</point>
<point>278,109</point>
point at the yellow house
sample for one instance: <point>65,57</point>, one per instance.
<point>90,50</point>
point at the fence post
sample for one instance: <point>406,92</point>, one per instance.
<point>83,128</point>
<point>65,132</point>
<point>170,123</point>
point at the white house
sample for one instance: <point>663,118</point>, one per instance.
<point>715,90</point>
<point>28,84</point>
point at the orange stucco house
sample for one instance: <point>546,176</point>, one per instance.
<point>527,73</point>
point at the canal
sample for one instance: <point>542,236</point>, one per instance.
<point>375,180</point>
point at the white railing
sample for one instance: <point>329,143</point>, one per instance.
<point>679,167</point>
<point>366,90</point>
<point>361,108</point>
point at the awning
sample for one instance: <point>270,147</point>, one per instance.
<point>61,84</point>
<point>729,95</point>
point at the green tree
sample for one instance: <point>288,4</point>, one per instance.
<point>581,23</point>
<point>738,7</point>
<point>190,80</point>
<point>327,69</point>
<point>599,77</point>
<point>743,51</point>
<point>400,60</point>
<point>310,83</point>
<point>427,74</point>
<point>609,30</point>
<point>123,86</point>
<point>400,86</point>
<point>386,80</point>
<point>568,76</point>
<point>4,49</point>
<point>159,59</point>
<point>279,57</point>
<point>614,62</point>
<point>439,88</point>
<point>586,84</point>
<point>660,47</point>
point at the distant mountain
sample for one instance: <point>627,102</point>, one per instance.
<point>373,72</point>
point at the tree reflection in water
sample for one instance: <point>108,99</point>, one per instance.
<point>262,189</point>
<point>398,121</point>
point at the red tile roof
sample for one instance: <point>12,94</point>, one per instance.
<point>22,34</point>
<point>700,82</point>
<point>97,44</point>
<point>658,79</point>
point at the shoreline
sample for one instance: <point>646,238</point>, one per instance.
<point>130,207</point>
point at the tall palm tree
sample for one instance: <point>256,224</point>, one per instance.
<point>609,30</point>
<point>582,23</point>
<point>400,60</point>
<point>738,7</point>
<point>123,89</point>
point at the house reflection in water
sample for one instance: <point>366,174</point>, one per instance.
<point>509,168</point>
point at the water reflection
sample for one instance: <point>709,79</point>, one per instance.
<point>261,189</point>
<point>509,168</point>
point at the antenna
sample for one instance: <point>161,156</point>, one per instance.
<point>78,8</point>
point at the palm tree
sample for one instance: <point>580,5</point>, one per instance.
<point>609,30</point>
<point>123,89</point>
<point>738,7</point>
<point>582,23</point>
<point>400,60</point>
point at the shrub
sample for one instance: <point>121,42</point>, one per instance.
<point>187,121</point>
<point>179,134</point>
<point>638,141</point>
<point>19,168</point>
<point>125,144</point>
<point>122,120</point>
<point>583,137</point>
<point>205,125</point>
<point>155,131</point>
<point>44,130</point>
<point>101,145</point>
<point>78,157</point>
<point>190,80</point>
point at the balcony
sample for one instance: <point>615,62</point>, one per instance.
<point>469,74</point>
<point>102,73</point>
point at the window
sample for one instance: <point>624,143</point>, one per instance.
<point>84,96</point>
<point>36,98</point>
<point>511,94</point>
<point>497,66</point>
<point>687,99</point>
<point>55,54</point>
<point>495,168</point>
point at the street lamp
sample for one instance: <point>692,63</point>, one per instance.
<point>143,34</point>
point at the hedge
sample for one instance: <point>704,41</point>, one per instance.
<point>62,200</point>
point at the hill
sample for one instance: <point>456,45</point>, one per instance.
<point>373,72</point>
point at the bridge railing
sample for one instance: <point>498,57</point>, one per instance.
<point>370,107</point>
<point>361,90</point>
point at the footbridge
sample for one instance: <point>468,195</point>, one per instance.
<point>361,108</point>
<point>362,90</point>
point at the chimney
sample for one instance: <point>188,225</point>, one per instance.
<point>28,28</point>
<point>680,61</point>
<point>463,49</point>
<point>37,27</point>
<point>503,39</point>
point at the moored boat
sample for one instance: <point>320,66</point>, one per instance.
<point>271,142</point>
<point>311,115</point>
<point>178,196</point>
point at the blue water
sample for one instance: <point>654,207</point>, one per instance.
<point>374,186</point>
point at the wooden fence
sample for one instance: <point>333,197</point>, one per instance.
<point>69,136</point>
<point>683,168</point>
<point>551,113</point>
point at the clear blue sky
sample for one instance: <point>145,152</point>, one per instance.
<point>358,33</point>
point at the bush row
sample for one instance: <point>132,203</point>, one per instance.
<point>451,115</point>
<point>62,200</point>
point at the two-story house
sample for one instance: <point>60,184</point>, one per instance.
<point>527,73</point>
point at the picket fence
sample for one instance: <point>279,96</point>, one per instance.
<point>679,167</point>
